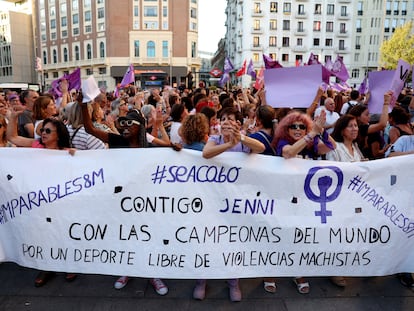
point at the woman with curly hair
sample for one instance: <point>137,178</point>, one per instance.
<point>194,131</point>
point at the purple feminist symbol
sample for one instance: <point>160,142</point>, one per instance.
<point>324,183</point>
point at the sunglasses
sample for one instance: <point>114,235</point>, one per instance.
<point>297,127</point>
<point>128,123</point>
<point>47,131</point>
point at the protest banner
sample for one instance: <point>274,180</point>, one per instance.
<point>159,213</point>
<point>281,92</point>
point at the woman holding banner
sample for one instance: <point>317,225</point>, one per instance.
<point>232,140</point>
<point>54,135</point>
<point>298,136</point>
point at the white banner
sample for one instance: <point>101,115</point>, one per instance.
<point>160,213</point>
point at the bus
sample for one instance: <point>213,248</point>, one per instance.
<point>20,86</point>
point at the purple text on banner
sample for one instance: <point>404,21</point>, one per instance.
<point>379,83</point>
<point>292,87</point>
<point>400,76</point>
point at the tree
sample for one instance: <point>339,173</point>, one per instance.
<point>399,46</point>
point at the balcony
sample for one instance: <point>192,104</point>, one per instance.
<point>299,48</point>
<point>343,16</point>
<point>257,47</point>
<point>301,15</point>
<point>257,13</point>
<point>300,32</point>
<point>341,50</point>
<point>342,34</point>
<point>255,30</point>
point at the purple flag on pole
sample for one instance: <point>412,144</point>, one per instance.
<point>270,63</point>
<point>313,59</point>
<point>363,88</point>
<point>228,66</point>
<point>74,82</point>
<point>339,70</point>
<point>129,77</point>
<point>224,78</point>
<point>250,70</point>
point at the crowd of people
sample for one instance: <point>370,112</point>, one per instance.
<point>336,126</point>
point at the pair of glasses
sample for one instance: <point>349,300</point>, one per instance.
<point>128,122</point>
<point>47,130</point>
<point>297,127</point>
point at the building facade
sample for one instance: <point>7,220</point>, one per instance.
<point>102,37</point>
<point>290,31</point>
<point>16,43</point>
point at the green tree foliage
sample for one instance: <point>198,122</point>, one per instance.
<point>399,46</point>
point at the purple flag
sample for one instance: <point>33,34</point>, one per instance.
<point>228,66</point>
<point>224,78</point>
<point>270,63</point>
<point>339,70</point>
<point>74,82</point>
<point>129,77</point>
<point>313,59</point>
<point>363,88</point>
<point>250,70</point>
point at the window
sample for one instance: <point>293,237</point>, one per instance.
<point>316,42</point>
<point>101,12</point>
<point>286,25</point>
<point>55,74</point>
<point>299,42</point>
<point>329,26</point>
<point>272,41</point>
<point>343,11</point>
<point>256,24</point>
<point>63,9</point>
<point>316,26</point>
<point>101,26</point>
<point>75,18</point>
<point>165,49</point>
<point>358,23</point>
<point>285,57</point>
<point>300,27</point>
<point>88,16</point>
<point>53,35</point>
<point>193,13</point>
<point>76,31</point>
<point>360,8</point>
<point>136,10</point>
<point>286,7</point>
<point>63,21</point>
<point>136,48</point>
<point>54,56</point>
<point>272,24</point>
<point>164,11</point>
<point>255,57</point>
<point>193,49</point>
<point>87,3</point>
<point>75,5</point>
<point>65,54</point>
<point>342,28</point>
<point>150,11</point>
<point>257,9</point>
<point>342,44</point>
<point>77,53</point>
<point>89,51</point>
<point>256,41</point>
<point>285,41</point>
<point>355,73</point>
<point>273,7</point>
<point>330,10</point>
<point>52,24</point>
<point>318,8</point>
<point>88,28</point>
<point>301,9</point>
<point>150,49</point>
<point>150,25</point>
<point>44,58</point>
<point>328,42</point>
<point>64,33</point>
<point>102,70</point>
<point>89,71</point>
<point>101,50</point>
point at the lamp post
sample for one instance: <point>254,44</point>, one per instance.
<point>171,79</point>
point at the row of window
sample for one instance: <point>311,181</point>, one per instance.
<point>299,42</point>
<point>287,8</point>
<point>76,53</point>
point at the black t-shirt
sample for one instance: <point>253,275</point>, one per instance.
<point>117,141</point>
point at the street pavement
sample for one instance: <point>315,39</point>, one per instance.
<point>96,292</point>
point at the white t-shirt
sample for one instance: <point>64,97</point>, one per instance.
<point>331,117</point>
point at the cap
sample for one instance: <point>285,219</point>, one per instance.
<point>135,115</point>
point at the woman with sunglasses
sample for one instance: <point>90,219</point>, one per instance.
<point>53,135</point>
<point>133,135</point>
<point>298,136</point>
<point>44,107</point>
